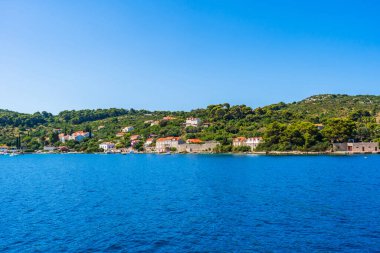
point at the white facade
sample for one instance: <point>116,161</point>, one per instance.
<point>127,129</point>
<point>148,142</point>
<point>107,146</point>
<point>253,142</point>
<point>194,122</point>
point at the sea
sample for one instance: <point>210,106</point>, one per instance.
<point>189,203</point>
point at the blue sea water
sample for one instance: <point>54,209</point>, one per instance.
<point>189,203</point>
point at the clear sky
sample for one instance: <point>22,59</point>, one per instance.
<point>179,55</point>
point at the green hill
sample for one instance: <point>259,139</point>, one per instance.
<point>283,126</point>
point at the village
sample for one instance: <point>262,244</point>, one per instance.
<point>175,144</point>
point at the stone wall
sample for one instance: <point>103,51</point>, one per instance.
<point>208,146</point>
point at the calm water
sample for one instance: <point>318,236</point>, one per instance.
<point>181,203</point>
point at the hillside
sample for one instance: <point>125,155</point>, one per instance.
<point>284,126</point>
<point>329,105</point>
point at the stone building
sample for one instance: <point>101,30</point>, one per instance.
<point>356,147</point>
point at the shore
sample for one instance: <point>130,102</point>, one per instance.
<point>269,153</point>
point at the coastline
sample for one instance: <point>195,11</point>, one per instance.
<point>258,153</point>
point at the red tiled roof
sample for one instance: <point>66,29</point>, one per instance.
<point>194,141</point>
<point>240,139</point>
<point>170,138</point>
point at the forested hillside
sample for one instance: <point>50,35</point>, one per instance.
<point>292,126</point>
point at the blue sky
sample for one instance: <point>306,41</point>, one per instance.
<point>179,55</point>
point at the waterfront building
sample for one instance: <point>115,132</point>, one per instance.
<point>106,146</point>
<point>252,142</point>
<point>356,147</point>
<point>197,147</point>
<point>148,142</point>
<point>167,143</point>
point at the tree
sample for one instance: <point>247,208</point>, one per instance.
<point>338,129</point>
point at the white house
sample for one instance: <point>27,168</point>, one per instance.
<point>165,144</point>
<point>107,146</point>
<point>252,142</point>
<point>148,142</point>
<point>194,122</point>
<point>127,129</point>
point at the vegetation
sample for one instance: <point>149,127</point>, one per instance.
<point>284,127</point>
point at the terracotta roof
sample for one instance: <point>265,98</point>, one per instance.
<point>240,139</point>
<point>135,137</point>
<point>79,133</point>
<point>170,138</point>
<point>194,141</point>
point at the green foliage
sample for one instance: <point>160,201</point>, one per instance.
<point>283,126</point>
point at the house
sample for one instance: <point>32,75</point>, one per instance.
<point>100,127</point>
<point>239,141</point>
<point>148,142</point>
<point>148,121</point>
<point>197,147</point>
<point>134,137</point>
<point>319,126</point>
<point>356,147</point>
<point>106,146</point>
<point>155,123</point>
<point>252,142</point>
<point>134,142</point>
<point>168,118</point>
<point>49,148</point>
<point>127,129</point>
<point>79,135</point>
<point>4,149</point>
<point>57,130</point>
<point>194,122</point>
<point>120,134</point>
<point>194,141</point>
<point>166,143</point>
<point>63,137</point>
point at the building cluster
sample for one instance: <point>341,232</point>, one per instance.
<point>252,142</point>
<point>76,136</point>
<point>164,145</point>
<point>170,143</point>
<point>356,147</point>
